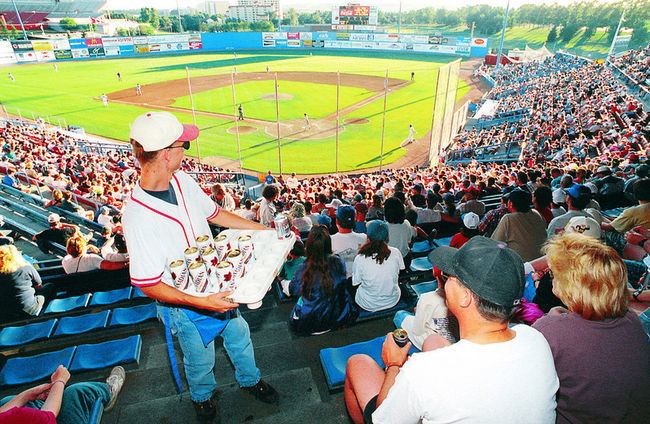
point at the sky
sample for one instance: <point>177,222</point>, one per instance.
<point>387,5</point>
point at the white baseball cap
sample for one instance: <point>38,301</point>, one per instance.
<point>471,220</point>
<point>157,130</point>
<point>559,196</point>
<point>53,217</point>
<point>583,225</point>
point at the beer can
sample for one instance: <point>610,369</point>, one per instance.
<point>226,275</point>
<point>282,226</point>
<point>209,256</point>
<point>203,241</point>
<point>234,256</point>
<point>221,245</point>
<point>180,274</point>
<point>401,337</point>
<point>191,255</point>
<point>199,274</point>
<point>244,242</point>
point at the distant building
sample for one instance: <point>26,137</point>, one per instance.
<point>214,7</point>
<point>255,10</point>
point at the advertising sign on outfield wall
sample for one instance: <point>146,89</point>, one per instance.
<point>195,42</point>
<point>479,42</point>
<point>78,43</point>
<point>293,43</point>
<point>29,56</point>
<point>7,53</point>
<point>140,40</point>
<point>96,51</point>
<point>117,41</point>
<point>94,43</point>
<point>141,48</point>
<point>21,46</point>
<point>60,44</point>
<point>111,50</point>
<point>63,54</point>
<point>126,50</point>
<point>80,53</point>
<point>41,46</point>
<point>45,55</point>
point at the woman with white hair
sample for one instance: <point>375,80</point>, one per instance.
<point>299,218</point>
<point>19,285</point>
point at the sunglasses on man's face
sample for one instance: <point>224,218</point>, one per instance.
<point>184,146</point>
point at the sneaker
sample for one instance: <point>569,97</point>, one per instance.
<point>263,392</point>
<point>115,382</point>
<point>208,411</point>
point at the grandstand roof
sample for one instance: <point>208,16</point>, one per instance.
<point>60,9</point>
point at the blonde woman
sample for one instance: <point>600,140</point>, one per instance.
<point>79,260</point>
<point>299,218</point>
<point>600,349</point>
<point>19,285</point>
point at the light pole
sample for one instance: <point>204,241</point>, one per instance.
<point>620,23</point>
<point>399,18</point>
<point>20,20</point>
<point>180,23</point>
<point>503,34</point>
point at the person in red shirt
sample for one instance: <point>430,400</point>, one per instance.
<point>467,231</point>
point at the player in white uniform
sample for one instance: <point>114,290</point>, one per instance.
<point>104,98</point>
<point>167,210</point>
<point>138,90</point>
<point>307,123</point>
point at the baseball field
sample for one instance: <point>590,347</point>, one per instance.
<point>307,84</point>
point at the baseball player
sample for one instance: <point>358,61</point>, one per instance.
<point>104,100</point>
<point>307,123</point>
<point>11,77</point>
<point>240,110</point>
<point>411,136</point>
<point>167,211</point>
<point>119,76</point>
<point>138,90</point>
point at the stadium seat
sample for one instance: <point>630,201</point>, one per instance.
<point>106,354</point>
<point>33,368</point>
<point>425,287</point>
<point>421,264</point>
<point>136,293</point>
<point>444,241</point>
<point>110,297</point>
<point>422,247</point>
<point>16,336</point>
<point>67,304</point>
<point>401,305</point>
<point>335,360</point>
<point>133,315</point>
<point>613,213</point>
<point>81,323</point>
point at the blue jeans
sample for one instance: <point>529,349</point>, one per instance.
<point>78,402</point>
<point>399,318</point>
<point>198,360</point>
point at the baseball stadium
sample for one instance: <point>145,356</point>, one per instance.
<point>273,212</point>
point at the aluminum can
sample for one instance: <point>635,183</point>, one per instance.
<point>209,256</point>
<point>199,274</point>
<point>221,245</point>
<point>203,241</point>
<point>191,255</point>
<point>401,337</point>
<point>245,241</point>
<point>226,275</point>
<point>282,226</point>
<point>180,274</point>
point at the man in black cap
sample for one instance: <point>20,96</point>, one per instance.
<point>493,374</point>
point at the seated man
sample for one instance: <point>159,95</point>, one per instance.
<point>345,242</point>
<point>57,233</point>
<point>494,374</point>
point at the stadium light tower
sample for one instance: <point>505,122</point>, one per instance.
<point>503,34</point>
<point>20,20</point>
<point>618,29</point>
<point>399,18</point>
<point>180,22</point>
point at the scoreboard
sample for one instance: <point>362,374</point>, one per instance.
<point>354,17</point>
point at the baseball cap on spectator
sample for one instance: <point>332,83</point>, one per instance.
<point>591,186</point>
<point>578,191</point>
<point>53,218</point>
<point>486,267</point>
<point>324,220</point>
<point>603,170</point>
<point>583,225</point>
<point>471,220</point>
<point>358,197</point>
<point>336,203</point>
<point>377,230</point>
<point>559,196</point>
<point>158,130</point>
<point>448,197</point>
<point>345,216</point>
<point>642,171</point>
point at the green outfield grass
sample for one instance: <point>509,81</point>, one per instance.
<point>71,96</point>
<point>258,99</point>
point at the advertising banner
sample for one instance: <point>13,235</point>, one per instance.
<point>94,43</point>
<point>169,47</point>
<point>41,46</point>
<point>274,36</point>
<point>62,44</point>
<point>29,56</point>
<point>21,46</point>
<point>322,35</point>
<point>117,41</point>
<point>195,42</point>
<point>6,53</point>
<point>80,53</point>
<point>126,50</point>
<point>141,48</point>
<point>78,43</point>
<point>168,39</point>
<point>305,36</point>
<point>361,37</point>
<point>293,36</point>
<point>293,43</point>
<point>45,55</point>
<point>318,43</point>
<point>434,48</point>
<point>479,42</point>
<point>96,51</point>
<point>112,50</point>
<point>268,43</point>
<point>63,54</point>
<point>281,43</point>
<point>391,38</point>
<point>140,40</point>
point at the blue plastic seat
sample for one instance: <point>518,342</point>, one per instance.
<point>335,360</point>
<point>136,293</point>
<point>401,305</point>
<point>443,241</point>
<point>133,315</point>
<point>421,264</point>
<point>421,247</point>
<point>81,323</point>
<point>16,336</point>
<point>422,288</point>
<point>33,368</point>
<point>106,354</point>
<point>110,297</point>
<point>68,304</point>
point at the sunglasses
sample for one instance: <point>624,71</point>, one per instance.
<point>184,146</point>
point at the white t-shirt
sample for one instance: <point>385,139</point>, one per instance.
<point>400,235</point>
<point>83,263</point>
<point>378,288</point>
<point>509,382</point>
<point>347,247</point>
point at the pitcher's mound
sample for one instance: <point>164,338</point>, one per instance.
<point>281,96</point>
<point>356,121</point>
<point>243,129</point>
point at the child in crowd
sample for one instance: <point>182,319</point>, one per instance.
<point>467,231</point>
<point>295,258</point>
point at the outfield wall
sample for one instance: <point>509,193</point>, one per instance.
<point>20,51</point>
